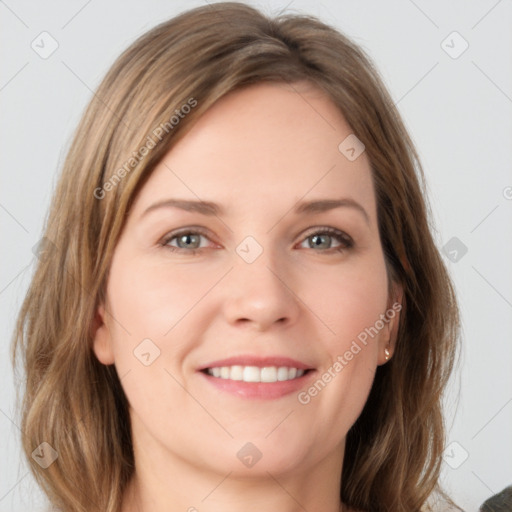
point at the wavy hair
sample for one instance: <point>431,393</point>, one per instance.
<point>76,404</point>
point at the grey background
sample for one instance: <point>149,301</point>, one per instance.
<point>458,111</point>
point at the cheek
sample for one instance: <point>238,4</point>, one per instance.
<point>151,308</point>
<point>165,304</point>
<point>350,304</point>
<point>348,300</point>
<point>151,300</point>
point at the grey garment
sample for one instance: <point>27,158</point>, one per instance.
<point>501,502</point>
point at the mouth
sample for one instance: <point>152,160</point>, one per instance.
<point>253,377</point>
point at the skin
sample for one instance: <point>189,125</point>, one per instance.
<point>256,152</point>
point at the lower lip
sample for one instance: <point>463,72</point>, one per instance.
<point>263,390</point>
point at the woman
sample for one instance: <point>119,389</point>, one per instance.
<point>239,304</point>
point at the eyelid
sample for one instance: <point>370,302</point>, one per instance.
<point>328,231</point>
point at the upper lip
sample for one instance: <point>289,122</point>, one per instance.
<point>259,361</point>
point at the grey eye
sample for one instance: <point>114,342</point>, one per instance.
<point>188,240</point>
<point>323,241</point>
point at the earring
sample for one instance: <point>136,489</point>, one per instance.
<point>386,353</point>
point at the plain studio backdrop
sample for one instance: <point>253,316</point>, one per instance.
<point>448,66</point>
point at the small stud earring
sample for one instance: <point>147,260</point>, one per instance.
<point>386,353</point>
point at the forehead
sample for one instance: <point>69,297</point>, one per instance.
<point>269,143</point>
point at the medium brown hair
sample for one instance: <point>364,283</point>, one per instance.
<point>76,404</point>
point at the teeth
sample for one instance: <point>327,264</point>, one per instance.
<point>237,373</point>
<point>251,374</point>
<point>269,374</point>
<point>282,373</point>
<point>256,374</point>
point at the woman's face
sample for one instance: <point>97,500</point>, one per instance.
<point>252,253</point>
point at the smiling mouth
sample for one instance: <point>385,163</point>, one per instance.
<point>267,374</point>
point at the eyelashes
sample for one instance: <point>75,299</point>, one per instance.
<point>316,241</point>
<point>342,238</point>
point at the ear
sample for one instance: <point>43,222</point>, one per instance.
<point>390,330</point>
<point>102,340</point>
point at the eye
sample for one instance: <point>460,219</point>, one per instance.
<point>323,239</point>
<point>185,241</point>
<point>190,241</point>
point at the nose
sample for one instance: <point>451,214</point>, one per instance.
<point>260,296</point>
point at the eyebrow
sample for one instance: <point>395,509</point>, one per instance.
<point>304,207</point>
<point>323,205</point>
